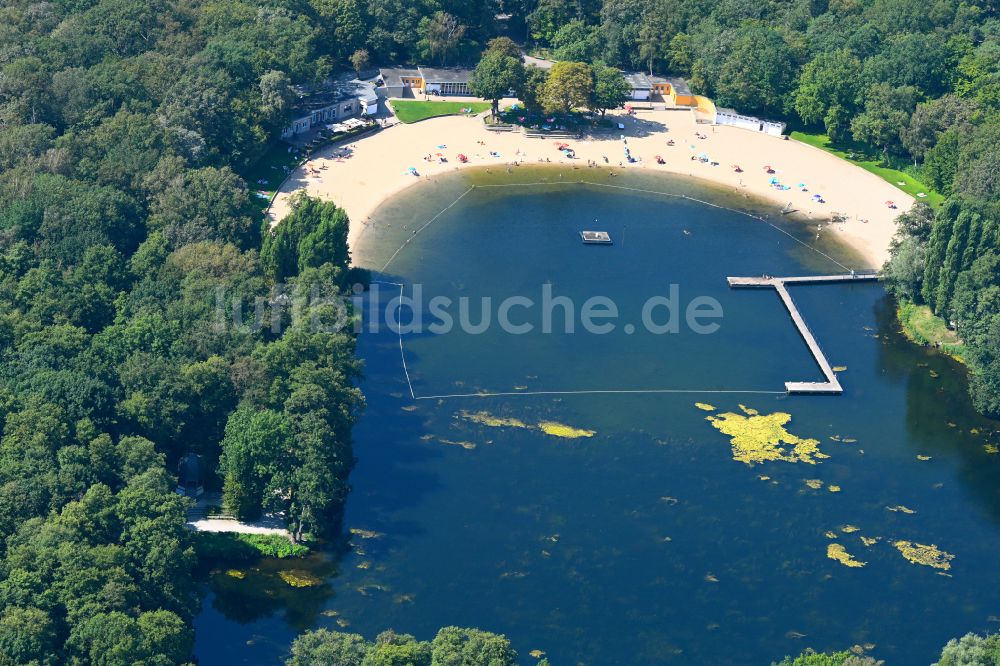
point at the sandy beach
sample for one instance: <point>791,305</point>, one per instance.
<point>359,175</point>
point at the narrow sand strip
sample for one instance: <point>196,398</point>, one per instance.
<point>378,167</point>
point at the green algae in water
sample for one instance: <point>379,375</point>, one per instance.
<point>562,430</point>
<point>758,438</point>
<point>299,578</point>
<point>553,428</point>
<point>837,552</point>
<point>928,556</point>
<point>487,419</point>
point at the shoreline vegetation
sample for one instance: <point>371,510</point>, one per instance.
<point>969,650</point>
<point>922,327</point>
<point>234,547</point>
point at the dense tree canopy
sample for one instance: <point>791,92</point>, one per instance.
<point>138,297</point>
<point>452,646</point>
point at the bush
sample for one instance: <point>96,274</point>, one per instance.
<point>232,546</point>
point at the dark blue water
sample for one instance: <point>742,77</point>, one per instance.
<point>645,543</point>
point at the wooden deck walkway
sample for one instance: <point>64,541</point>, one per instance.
<point>832,385</point>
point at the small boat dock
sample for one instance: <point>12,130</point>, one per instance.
<point>832,385</point>
<point>595,237</point>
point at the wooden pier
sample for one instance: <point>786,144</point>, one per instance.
<point>832,385</point>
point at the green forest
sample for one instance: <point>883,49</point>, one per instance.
<point>127,227</point>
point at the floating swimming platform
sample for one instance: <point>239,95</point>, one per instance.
<point>595,237</point>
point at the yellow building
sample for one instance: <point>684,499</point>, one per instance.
<point>673,89</point>
<point>407,81</point>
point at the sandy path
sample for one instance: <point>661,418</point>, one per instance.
<point>377,169</point>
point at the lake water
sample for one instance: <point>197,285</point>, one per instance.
<point>645,543</point>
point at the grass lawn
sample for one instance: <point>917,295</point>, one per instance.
<point>271,169</point>
<point>922,326</point>
<point>910,185</point>
<point>410,111</point>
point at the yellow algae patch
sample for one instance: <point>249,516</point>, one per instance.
<point>899,508</point>
<point>705,406</point>
<point>815,484</point>
<point>870,541</point>
<point>757,438</point>
<point>468,446</point>
<point>764,477</point>
<point>409,408</point>
<point>830,534</point>
<point>236,573</point>
<point>562,430</point>
<point>487,419</point>
<point>710,578</point>
<point>833,488</point>
<point>920,457</point>
<point>342,623</point>
<point>837,552</point>
<point>537,654</point>
<point>364,565</point>
<point>840,368</point>
<point>366,534</point>
<point>929,556</point>
<point>848,440</point>
<point>365,589</point>
<point>299,578</point>
<point>991,449</point>
<point>848,529</point>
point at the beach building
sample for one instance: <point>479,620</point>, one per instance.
<point>400,81</point>
<point>642,87</point>
<point>407,81</point>
<point>446,81</point>
<point>730,117</point>
<point>330,102</point>
<point>676,90</point>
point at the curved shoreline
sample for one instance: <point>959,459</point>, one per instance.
<point>378,168</point>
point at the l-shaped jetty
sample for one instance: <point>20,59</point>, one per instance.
<point>832,385</point>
